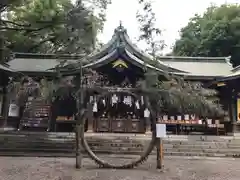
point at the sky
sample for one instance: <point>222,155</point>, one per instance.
<point>171,16</point>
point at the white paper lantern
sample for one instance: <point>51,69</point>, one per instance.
<point>114,99</point>
<point>186,117</point>
<point>142,100</point>
<point>95,108</point>
<point>193,116</point>
<point>146,113</point>
<point>165,117</point>
<point>91,99</point>
<point>13,110</point>
<point>137,104</point>
<point>104,102</point>
<point>179,118</point>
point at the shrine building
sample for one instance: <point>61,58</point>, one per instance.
<point>121,61</point>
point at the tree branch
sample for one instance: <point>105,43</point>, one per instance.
<point>14,23</point>
<point>27,29</point>
<point>42,42</point>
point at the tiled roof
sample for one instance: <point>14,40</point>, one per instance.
<point>5,68</point>
<point>190,66</point>
<point>33,64</point>
<point>199,66</point>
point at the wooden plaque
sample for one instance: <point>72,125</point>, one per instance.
<point>119,125</point>
<point>102,125</point>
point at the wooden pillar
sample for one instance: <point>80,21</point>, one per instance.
<point>90,120</point>
<point>148,126</point>
<point>90,125</point>
<point>6,102</point>
<point>234,110</point>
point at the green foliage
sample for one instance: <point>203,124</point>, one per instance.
<point>215,33</point>
<point>5,4</point>
<point>150,33</point>
<point>53,26</point>
<point>175,95</point>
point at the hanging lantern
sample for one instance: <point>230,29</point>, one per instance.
<point>137,104</point>
<point>104,102</point>
<point>95,108</point>
<point>127,100</point>
<point>114,99</point>
<point>142,100</point>
<point>91,99</point>
<point>186,117</point>
<point>165,117</point>
<point>13,110</point>
<point>146,113</point>
<point>179,117</point>
<point>193,116</point>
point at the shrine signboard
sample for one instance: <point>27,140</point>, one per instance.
<point>161,131</point>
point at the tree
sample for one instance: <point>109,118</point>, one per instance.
<point>49,26</point>
<point>215,33</point>
<point>174,95</point>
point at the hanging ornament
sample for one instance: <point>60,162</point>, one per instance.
<point>146,113</point>
<point>95,109</point>
<point>137,104</point>
<point>104,102</point>
<point>142,100</point>
<point>193,116</point>
<point>114,99</point>
<point>130,101</point>
<point>91,99</point>
<point>127,100</point>
<point>13,110</point>
<point>186,117</point>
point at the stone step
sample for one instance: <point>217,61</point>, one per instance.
<point>225,151</point>
<point>40,139</point>
<point>120,136</point>
<point>64,143</point>
<point>118,147</point>
<point>121,143</point>
<point>72,154</point>
<point>233,146</point>
<point>111,145</point>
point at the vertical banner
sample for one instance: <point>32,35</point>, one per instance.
<point>238,109</point>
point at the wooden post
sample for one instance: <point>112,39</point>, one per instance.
<point>79,123</point>
<point>6,108</point>
<point>78,146</point>
<point>159,145</point>
<point>78,153</point>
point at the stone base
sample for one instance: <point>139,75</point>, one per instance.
<point>236,134</point>
<point>4,129</point>
<point>114,143</point>
<point>236,129</point>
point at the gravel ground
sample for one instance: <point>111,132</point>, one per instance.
<point>175,168</point>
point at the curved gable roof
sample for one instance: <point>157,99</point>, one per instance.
<point>206,67</point>
<point>189,66</point>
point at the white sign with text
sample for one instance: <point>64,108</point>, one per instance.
<point>161,131</point>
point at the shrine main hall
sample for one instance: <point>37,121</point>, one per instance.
<point>122,62</point>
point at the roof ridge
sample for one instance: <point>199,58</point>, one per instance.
<point>235,68</point>
<point>192,57</point>
<point>46,56</point>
